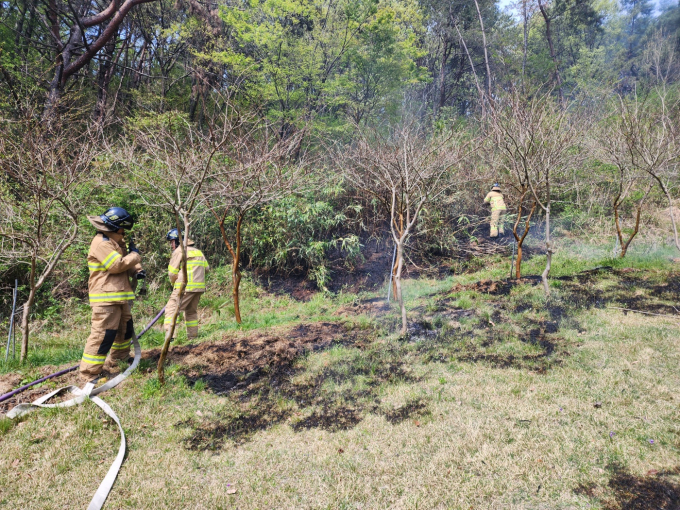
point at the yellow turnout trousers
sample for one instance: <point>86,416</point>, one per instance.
<point>189,306</point>
<point>496,224</point>
<point>111,335</point>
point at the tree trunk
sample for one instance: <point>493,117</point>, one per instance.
<point>553,55</point>
<point>520,240</point>
<point>397,281</point>
<point>446,53</point>
<point>548,252</point>
<point>27,308</point>
<point>617,221</point>
<point>235,272</point>
<point>526,40</point>
<point>103,80</point>
<point>486,53</point>
<point>394,273</point>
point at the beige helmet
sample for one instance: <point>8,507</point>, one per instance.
<point>496,187</point>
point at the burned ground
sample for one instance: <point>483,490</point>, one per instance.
<point>336,397</point>
<point>643,493</point>
<point>8,382</point>
<point>373,269</point>
<point>262,378</point>
<point>440,335</point>
<point>657,490</point>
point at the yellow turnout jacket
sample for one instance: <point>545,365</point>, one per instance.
<point>197,266</point>
<point>495,198</point>
<point>111,267</point>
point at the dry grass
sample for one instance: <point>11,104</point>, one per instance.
<point>484,437</point>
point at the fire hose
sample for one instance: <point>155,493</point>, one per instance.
<point>88,392</point>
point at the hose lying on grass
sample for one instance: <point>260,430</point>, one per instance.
<point>9,395</point>
<point>89,392</point>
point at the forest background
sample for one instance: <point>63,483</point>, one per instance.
<point>249,124</point>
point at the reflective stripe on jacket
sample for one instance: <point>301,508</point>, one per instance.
<point>197,266</point>
<point>111,267</point>
<point>495,198</point>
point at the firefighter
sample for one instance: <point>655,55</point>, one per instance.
<point>495,199</point>
<point>197,266</point>
<point>110,291</point>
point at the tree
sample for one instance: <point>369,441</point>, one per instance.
<point>44,169</point>
<point>256,168</point>
<point>649,125</point>
<point>307,56</point>
<point>542,139</point>
<point>83,43</point>
<point>171,159</point>
<point>614,145</point>
<point>404,169</point>
<point>650,130</point>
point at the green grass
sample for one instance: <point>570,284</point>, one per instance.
<point>440,423</point>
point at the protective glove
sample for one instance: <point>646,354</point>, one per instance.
<point>132,247</point>
<point>141,275</point>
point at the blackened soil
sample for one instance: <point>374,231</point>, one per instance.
<point>628,492</point>
<point>436,341</point>
<point>643,493</point>
<point>367,273</point>
<point>241,361</point>
<point>8,382</point>
<point>276,390</point>
<point>497,287</point>
<point>210,434</point>
<point>267,386</point>
<point>331,419</point>
<point>439,336</point>
<point>373,268</point>
<point>589,489</point>
<point>405,412</point>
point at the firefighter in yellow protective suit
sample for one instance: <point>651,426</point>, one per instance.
<point>197,266</point>
<point>498,208</point>
<point>110,291</point>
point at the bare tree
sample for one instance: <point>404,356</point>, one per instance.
<point>612,145</point>
<point>404,169</point>
<point>649,126</point>
<point>650,130</point>
<point>44,169</point>
<point>257,168</point>
<point>517,180</point>
<point>171,160</point>
<point>542,140</point>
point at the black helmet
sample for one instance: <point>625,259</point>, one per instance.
<point>117,217</point>
<point>172,235</point>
